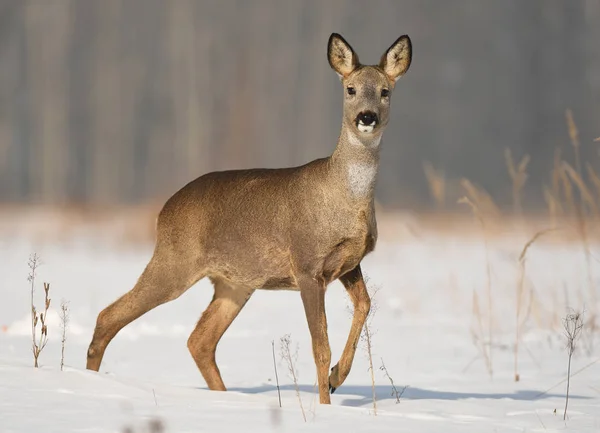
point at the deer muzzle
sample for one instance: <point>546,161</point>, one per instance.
<point>366,121</point>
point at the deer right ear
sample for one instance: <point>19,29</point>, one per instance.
<point>341,56</point>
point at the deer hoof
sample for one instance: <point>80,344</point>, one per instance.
<point>333,379</point>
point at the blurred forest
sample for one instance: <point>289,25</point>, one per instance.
<point>124,101</point>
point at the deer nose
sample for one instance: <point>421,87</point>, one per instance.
<point>367,118</point>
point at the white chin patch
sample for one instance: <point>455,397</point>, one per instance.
<point>366,128</point>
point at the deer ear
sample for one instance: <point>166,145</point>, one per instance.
<point>341,56</point>
<point>396,60</point>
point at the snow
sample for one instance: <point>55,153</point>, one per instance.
<point>424,329</point>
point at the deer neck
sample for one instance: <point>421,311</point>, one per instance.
<point>355,162</point>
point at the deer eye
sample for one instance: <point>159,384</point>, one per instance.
<point>351,90</point>
<point>385,93</point>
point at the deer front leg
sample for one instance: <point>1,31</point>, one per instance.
<point>313,298</point>
<point>355,285</point>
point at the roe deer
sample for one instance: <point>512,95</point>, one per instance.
<point>296,228</point>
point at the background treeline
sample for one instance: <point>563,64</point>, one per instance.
<point>124,101</point>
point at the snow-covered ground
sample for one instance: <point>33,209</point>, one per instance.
<point>425,328</point>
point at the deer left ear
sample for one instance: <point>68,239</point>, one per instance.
<point>341,56</point>
<point>396,60</point>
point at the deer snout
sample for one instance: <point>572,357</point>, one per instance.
<point>366,121</point>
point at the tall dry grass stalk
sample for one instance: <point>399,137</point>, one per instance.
<point>64,325</point>
<point>554,207</point>
<point>556,177</point>
<point>594,178</point>
<point>480,198</point>
<point>367,338</point>
<point>518,176</point>
<point>478,335</point>
<point>437,184</point>
<point>477,212</point>
<point>290,358</point>
<point>567,189</point>
<point>38,346</point>
<point>573,325</point>
<point>586,198</point>
<point>395,393</point>
<point>559,186</point>
<point>574,136</point>
<point>33,263</point>
<point>276,375</point>
<point>519,295</point>
<point>559,383</point>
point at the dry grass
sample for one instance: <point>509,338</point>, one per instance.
<point>519,296</point>
<point>518,176</point>
<point>133,227</point>
<point>477,333</point>
<point>276,375</point>
<point>586,196</point>
<point>37,346</point>
<point>574,136</point>
<point>585,208</point>
<point>573,325</point>
<point>567,188</point>
<point>437,184</point>
<point>556,175</point>
<point>554,207</point>
<point>290,359</point>
<point>480,198</point>
<point>367,339</point>
<point>594,178</point>
<point>566,379</point>
<point>64,325</point>
<point>117,226</point>
<point>487,354</point>
<point>395,393</point>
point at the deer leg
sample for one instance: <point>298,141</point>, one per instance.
<point>313,298</point>
<point>356,288</point>
<point>226,304</point>
<point>158,284</point>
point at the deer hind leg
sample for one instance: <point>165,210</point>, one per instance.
<point>161,282</point>
<point>313,297</point>
<point>228,301</point>
<point>354,283</point>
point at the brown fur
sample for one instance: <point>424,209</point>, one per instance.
<point>296,228</point>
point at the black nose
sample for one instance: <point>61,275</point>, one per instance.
<point>367,117</point>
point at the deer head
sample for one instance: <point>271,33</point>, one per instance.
<point>368,88</point>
